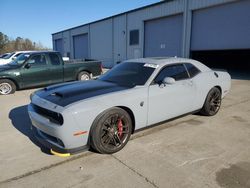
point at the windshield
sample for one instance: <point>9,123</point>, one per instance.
<point>20,59</point>
<point>129,74</point>
<point>8,56</point>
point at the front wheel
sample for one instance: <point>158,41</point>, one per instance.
<point>111,131</point>
<point>212,103</point>
<point>7,87</point>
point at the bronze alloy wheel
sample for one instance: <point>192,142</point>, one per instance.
<point>115,130</point>
<point>212,103</point>
<point>111,131</point>
<point>215,101</point>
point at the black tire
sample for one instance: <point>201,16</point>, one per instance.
<point>212,103</point>
<point>111,131</point>
<point>7,87</point>
<point>83,76</point>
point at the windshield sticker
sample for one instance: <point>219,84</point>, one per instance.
<point>151,65</point>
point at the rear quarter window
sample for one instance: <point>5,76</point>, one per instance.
<point>192,70</point>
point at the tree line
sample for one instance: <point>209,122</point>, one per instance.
<point>9,45</point>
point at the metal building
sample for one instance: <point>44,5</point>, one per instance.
<point>217,32</point>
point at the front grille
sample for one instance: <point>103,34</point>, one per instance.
<point>53,117</point>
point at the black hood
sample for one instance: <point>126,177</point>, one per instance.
<point>65,94</point>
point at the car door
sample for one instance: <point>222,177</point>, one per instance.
<point>55,68</point>
<point>35,71</point>
<point>167,101</point>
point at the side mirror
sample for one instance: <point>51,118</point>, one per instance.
<point>13,58</point>
<point>27,66</point>
<point>168,80</point>
<point>29,63</point>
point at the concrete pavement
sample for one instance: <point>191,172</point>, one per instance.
<point>193,151</point>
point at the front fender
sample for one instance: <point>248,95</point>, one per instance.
<point>86,111</point>
<point>13,79</point>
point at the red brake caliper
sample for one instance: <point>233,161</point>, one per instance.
<point>120,127</point>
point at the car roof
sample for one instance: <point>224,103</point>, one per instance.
<point>22,51</point>
<point>162,61</point>
<point>34,52</point>
<point>159,60</point>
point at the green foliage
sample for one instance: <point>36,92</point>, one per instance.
<point>10,45</point>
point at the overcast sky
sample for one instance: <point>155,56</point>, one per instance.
<point>38,19</point>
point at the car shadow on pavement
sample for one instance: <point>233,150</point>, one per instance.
<point>20,120</point>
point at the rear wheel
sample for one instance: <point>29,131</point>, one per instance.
<point>111,131</point>
<point>83,76</point>
<point>212,103</point>
<point>7,87</point>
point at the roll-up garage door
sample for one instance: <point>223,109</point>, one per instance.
<point>59,46</point>
<point>80,43</point>
<point>222,27</point>
<point>163,37</point>
<point>220,35</point>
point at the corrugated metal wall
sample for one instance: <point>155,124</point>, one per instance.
<point>101,37</point>
<point>109,38</point>
<point>66,43</point>
<point>136,19</point>
<point>119,38</point>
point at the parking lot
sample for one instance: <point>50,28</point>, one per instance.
<point>192,151</point>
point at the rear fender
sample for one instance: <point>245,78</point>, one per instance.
<point>225,82</point>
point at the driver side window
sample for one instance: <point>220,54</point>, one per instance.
<point>37,60</point>
<point>178,72</point>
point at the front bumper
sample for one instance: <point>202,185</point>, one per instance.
<point>42,138</point>
<point>59,138</point>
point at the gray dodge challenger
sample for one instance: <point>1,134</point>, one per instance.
<point>103,113</point>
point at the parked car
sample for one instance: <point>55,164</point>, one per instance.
<point>44,68</point>
<point>11,56</point>
<point>4,55</point>
<point>103,113</point>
